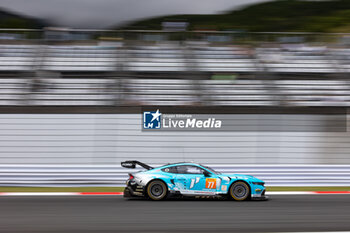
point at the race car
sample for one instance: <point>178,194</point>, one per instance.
<point>190,179</point>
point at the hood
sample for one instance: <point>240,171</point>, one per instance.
<point>243,177</point>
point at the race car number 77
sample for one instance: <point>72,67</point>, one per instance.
<point>210,183</point>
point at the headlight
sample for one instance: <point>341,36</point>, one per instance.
<point>258,183</point>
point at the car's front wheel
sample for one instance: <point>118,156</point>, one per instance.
<point>239,191</point>
<point>157,190</point>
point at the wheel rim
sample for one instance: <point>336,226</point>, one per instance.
<point>239,191</point>
<point>157,190</point>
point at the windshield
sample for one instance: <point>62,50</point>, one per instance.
<point>212,170</point>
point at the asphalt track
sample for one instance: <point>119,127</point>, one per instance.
<point>115,214</point>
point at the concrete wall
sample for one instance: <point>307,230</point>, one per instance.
<point>111,138</point>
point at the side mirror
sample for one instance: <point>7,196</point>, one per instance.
<point>206,174</point>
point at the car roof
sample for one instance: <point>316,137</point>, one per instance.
<point>181,163</point>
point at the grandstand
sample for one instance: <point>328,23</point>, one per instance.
<point>173,73</point>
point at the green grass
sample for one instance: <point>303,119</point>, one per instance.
<point>121,189</point>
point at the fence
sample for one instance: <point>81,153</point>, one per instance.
<point>108,175</point>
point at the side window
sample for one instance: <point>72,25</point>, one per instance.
<point>187,169</point>
<point>170,169</point>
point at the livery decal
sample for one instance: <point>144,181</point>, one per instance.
<point>210,183</point>
<point>194,181</point>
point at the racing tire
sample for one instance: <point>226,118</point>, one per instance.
<point>157,190</point>
<point>239,191</point>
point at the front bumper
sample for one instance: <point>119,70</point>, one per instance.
<point>261,196</point>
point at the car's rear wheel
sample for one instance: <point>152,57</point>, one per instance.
<point>239,191</point>
<point>157,190</point>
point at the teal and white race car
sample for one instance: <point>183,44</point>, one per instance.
<point>190,179</point>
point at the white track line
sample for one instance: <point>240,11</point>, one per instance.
<point>39,194</point>
<point>290,193</point>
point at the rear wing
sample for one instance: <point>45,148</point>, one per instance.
<point>133,163</point>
